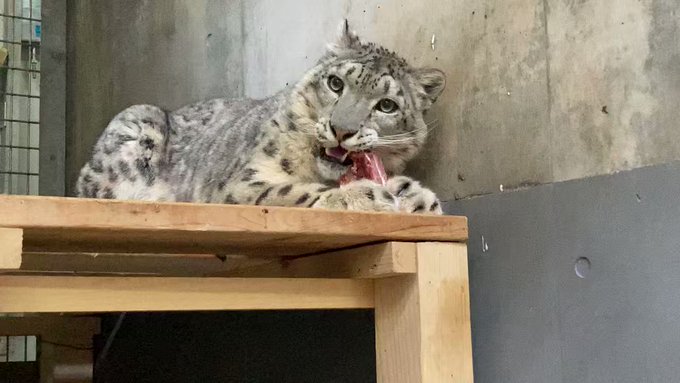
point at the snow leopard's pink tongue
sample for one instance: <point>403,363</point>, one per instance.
<point>365,165</point>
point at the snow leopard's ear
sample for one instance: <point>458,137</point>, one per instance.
<point>432,82</point>
<point>347,39</point>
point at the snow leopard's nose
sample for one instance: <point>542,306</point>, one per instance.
<point>349,113</point>
<point>341,134</point>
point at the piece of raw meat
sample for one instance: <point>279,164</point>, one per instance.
<point>365,165</point>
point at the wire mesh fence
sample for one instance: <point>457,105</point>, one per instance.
<point>20,36</point>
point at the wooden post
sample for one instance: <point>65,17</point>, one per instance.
<point>423,330</point>
<point>11,245</point>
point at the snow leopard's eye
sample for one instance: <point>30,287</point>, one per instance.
<point>335,84</point>
<point>387,106</point>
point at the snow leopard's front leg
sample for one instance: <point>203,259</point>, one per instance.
<point>363,195</point>
<point>360,195</point>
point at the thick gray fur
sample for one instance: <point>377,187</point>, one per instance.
<point>270,151</point>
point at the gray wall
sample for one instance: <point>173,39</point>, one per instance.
<point>534,319</point>
<point>52,165</point>
<point>528,79</point>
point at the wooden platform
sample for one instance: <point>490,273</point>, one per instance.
<point>60,255</point>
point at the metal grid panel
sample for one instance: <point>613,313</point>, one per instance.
<point>20,34</point>
<point>18,349</point>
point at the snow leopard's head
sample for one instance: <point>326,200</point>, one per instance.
<point>360,97</point>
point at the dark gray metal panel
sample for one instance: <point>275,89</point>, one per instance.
<point>535,320</point>
<point>53,99</point>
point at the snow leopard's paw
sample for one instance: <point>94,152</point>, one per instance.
<point>363,195</point>
<point>413,197</point>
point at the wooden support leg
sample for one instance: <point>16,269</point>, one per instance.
<point>11,245</point>
<point>423,321</point>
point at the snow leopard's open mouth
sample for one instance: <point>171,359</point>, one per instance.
<point>338,155</point>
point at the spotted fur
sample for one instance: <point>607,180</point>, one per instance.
<point>271,151</point>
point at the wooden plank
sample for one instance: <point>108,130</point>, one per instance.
<point>372,261</point>
<point>53,224</point>
<point>184,265</point>
<point>11,244</point>
<point>423,330</point>
<point>43,294</point>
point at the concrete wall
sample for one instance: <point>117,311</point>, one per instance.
<point>539,90</point>
<point>53,103</point>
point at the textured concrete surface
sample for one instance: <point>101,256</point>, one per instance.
<point>490,124</point>
<point>53,103</point>
<point>485,119</point>
<point>539,90</point>
<point>623,58</point>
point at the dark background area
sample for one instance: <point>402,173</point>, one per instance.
<point>225,347</point>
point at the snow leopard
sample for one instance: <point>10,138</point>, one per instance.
<point>289,149</point>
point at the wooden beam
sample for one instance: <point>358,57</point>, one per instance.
<point>423,330</point>
<point>194,265</point>
<point>373,261</point>
<point>53,224</point>
<point>43,294</point>
<point>11,245</point>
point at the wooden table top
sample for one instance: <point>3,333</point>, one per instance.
<point>88,225</point>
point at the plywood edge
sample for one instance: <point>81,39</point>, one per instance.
<point>371,261</point>
<point>46,294</point>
